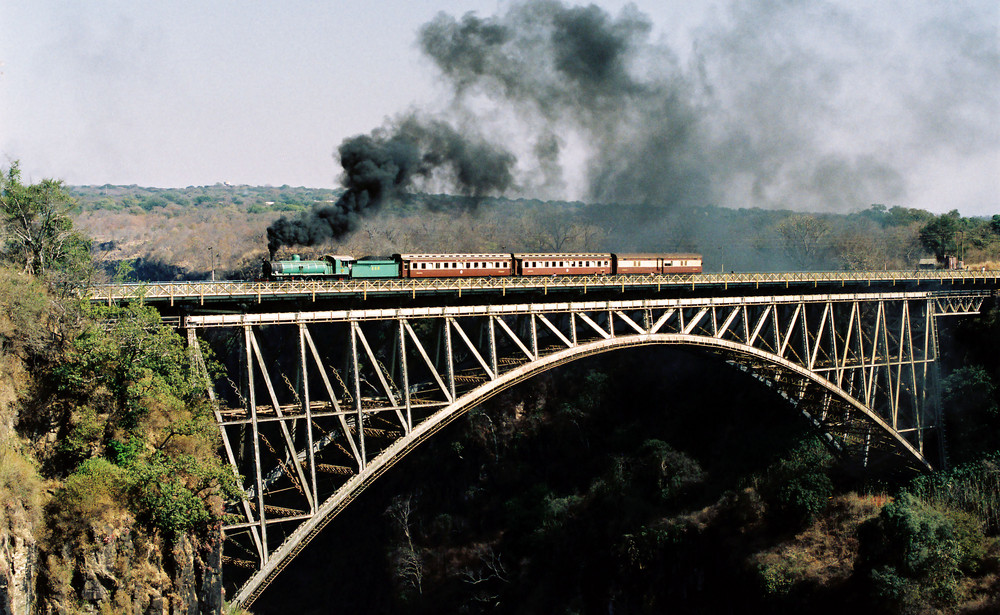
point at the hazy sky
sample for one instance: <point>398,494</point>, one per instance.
<point>818,105</point>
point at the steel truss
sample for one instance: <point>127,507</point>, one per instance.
<point>202,292</point>
<point>325,402</point>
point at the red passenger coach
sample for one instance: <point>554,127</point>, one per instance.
<point>657,263</point>
<point>454,265</point>
<point>682,263</point>
<point>562,264</point>
<point>638,263</point>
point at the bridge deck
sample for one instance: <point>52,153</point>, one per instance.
<point>260,291</point>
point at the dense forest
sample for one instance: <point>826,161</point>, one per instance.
<point>647,481</point>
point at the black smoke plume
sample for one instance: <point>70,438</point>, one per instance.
<point>394,159</point>
<point>568,69</point>
<point>803,105</point>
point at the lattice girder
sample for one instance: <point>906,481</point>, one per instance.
<point>326,401</point>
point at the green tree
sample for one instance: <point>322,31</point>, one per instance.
<point>938,235</point>
<point>995,224</point>
<point>38,231</point>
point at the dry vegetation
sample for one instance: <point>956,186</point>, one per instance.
<point>179,233</point>
<point>822,554</point>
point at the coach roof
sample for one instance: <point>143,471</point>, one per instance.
<point>562,255</point>
<point>451,257</point>
<point>645,255</point>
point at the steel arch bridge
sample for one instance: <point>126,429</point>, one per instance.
<point>321,403</point>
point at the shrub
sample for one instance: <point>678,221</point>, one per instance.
<point>169,492</point>
<point>779,575</point>
<point>798,487</point>
<point>930,547</point>
<point>665,471</point>
<point>92,494</point>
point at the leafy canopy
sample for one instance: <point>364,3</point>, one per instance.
<point>38,234</point>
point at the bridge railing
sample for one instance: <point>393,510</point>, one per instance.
<point>170,292</point>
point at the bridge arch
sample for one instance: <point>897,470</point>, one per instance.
<point>854,431</point>
<point>860,366</point>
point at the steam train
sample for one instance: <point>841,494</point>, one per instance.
<point>332,266</point>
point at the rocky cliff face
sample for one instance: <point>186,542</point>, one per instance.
<point>126,571</point>
<point>18,572</point>
<point>117,570</point>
